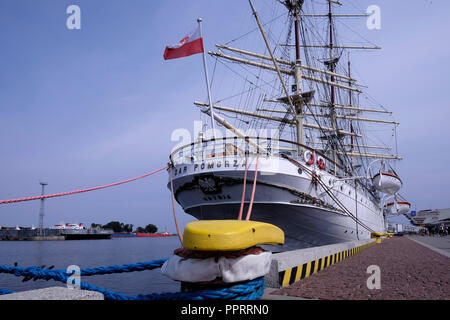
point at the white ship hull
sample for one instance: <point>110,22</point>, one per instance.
<point>212,189</point>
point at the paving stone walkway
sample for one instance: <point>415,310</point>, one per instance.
<point>408,271</point>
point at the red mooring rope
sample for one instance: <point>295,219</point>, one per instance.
<point>249,212</point>
<point>243,191</point>
<point>80,191</point>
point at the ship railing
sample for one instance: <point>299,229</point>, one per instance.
<point>207,149</point>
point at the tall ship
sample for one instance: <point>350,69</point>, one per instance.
<point>298,150</point>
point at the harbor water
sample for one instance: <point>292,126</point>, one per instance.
<point>89,254</point>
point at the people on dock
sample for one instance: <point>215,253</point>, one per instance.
<point>435,231</point>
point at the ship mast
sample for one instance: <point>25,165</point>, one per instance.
<point>293,101</point>
<point>298,73</point>
<point>332,66</point>
<point>350,102</point>
<point>294,7</point>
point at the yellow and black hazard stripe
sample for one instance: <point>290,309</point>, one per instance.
<point>295,274</point>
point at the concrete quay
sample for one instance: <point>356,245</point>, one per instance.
<point>54,293</point>
<point>292,266</point>
<point>408,270</point>
<point>10,234</point>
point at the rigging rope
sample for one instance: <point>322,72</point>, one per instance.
<point>80,191</point>
<point>330,193</point>
<point>180,235</point>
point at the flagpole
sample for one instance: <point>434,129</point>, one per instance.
<point>199,20</point>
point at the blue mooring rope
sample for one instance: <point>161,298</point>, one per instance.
<point>251,290</point>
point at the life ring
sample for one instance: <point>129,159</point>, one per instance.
<point>308,156</point>
<point>321,163</point>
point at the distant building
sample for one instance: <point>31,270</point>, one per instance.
<point>402,228</point>
<point>430,217</point>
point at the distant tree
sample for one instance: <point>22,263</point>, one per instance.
<point>116,226</point>
<point>140,230</point>
<point>127,228</point>
<point>151,228</point>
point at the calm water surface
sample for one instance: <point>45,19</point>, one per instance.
<point>89,254</point>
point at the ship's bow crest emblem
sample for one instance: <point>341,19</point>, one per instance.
<point>209,185</point>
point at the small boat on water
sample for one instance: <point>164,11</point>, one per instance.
<point>69,226</point>
<point>159,234</point>
<point>123,235</point>
<point>141,235</point>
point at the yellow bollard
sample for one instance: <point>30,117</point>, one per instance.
<point>376,235</point>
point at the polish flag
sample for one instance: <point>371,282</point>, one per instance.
<point>189,45</point>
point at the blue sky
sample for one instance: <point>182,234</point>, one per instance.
<point>81,108</point>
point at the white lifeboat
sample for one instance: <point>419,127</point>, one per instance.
<point>399,207</point>
<point>387,183</point>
